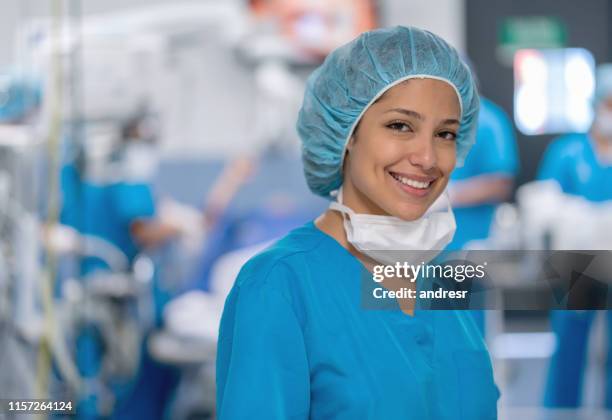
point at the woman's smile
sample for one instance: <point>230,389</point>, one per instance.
<point>413,185</point>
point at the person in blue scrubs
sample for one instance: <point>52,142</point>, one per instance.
<point>486,178</point>
<point>109,196</point>
<point>383,123</point>
<point>484,181</point>
<point>109,200</point>
<point>582,165</point>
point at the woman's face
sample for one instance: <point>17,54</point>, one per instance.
<point>401,156</point>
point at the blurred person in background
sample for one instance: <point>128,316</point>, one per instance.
<point>107,194</point>
<point>582,166</point>
<point>107,197</point>
<point>487,177</point>
<point>383,122</point>
<point>485,180</point>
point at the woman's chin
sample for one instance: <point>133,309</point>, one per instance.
<point>410,214</point>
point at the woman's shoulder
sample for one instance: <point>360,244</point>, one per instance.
<point>284,258</point>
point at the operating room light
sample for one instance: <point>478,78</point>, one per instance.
<point>530,109</point>
<point>553,90</point>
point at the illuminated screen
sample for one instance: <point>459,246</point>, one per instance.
<point>553,90</point>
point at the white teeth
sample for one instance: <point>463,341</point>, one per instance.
<point>411,182</point>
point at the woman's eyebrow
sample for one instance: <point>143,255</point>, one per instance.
<point>411,113</point>
<point>451,121</point>
<point>405,111</point>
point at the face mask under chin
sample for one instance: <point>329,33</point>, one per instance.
<point>389,240</point>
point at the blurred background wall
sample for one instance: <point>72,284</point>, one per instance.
<point>585,24</point>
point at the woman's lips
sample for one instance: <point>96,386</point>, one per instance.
<point>413,185</point>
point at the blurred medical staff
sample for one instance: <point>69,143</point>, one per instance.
<point>107,195</point>
<point>110,197</point>
<point>484,181</point>
<point>582,165</point>
<point>486,178</point>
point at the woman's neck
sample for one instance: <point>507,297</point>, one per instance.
<point>332,224</point>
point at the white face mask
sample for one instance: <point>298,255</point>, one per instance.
<point>140,162</point>
<point>603,123</point>
<point>389,239</point>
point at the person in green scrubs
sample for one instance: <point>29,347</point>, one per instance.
<point>384,122</point>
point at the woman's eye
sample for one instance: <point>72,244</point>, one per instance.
<point>448,135</point>
<point>399,126</point>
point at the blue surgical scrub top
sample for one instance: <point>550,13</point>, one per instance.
<point>296,343</point>
<point>105,211</point>
<point>572,162</point>
<point>495,152</point>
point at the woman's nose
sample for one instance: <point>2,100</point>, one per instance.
<point>423,153</point>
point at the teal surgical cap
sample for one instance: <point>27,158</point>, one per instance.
<point>351,79</point>
<point>603,82</point>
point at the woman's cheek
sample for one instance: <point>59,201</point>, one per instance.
<point>447,159</point>
<point>388,151</point>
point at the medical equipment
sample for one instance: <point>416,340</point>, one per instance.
<point>189,338</point>
<point>316,28</point>
<point>552,219</point>
<point>20,94</point>
<point>21,319</point>
<point>118,305</point>
<point>160,56</point>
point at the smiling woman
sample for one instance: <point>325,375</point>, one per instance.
<point>400,157</point>
<point>384,121</point>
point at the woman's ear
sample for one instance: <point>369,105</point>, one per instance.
<point>352,140</point>
<point>350,143</point>
<point>349,147</point>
